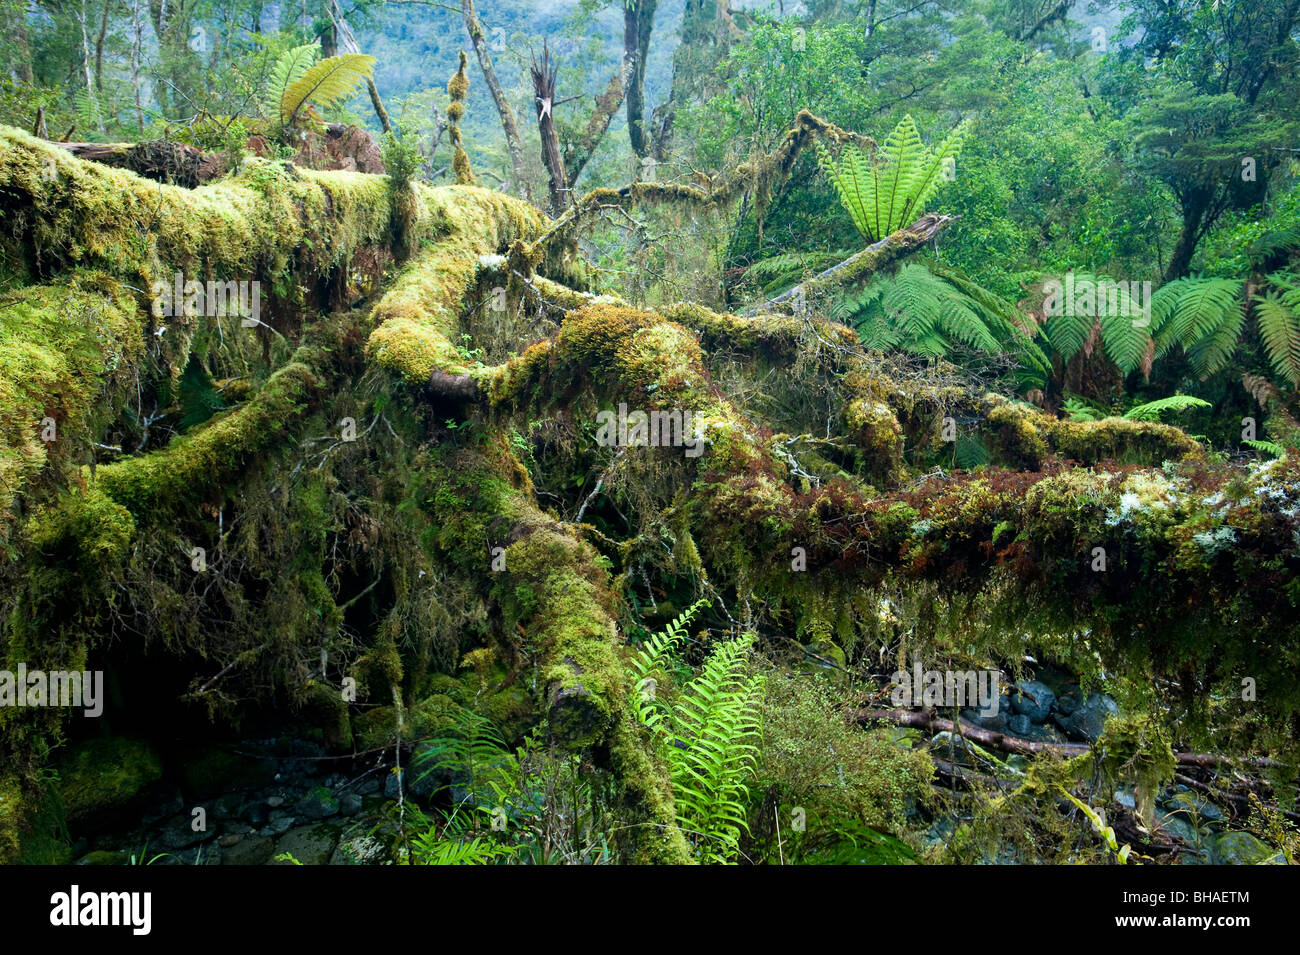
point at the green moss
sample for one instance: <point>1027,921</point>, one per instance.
<point>104,774</point>
<point>67,353</point>
<point>418,319</point>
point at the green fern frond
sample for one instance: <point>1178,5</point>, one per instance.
<point>428,849</point>
<point>713,750</point>
<point>1077,409</point>
<point>1279,325</point>
<point>1202,316</point>
<point>289,67</point>
<point>1152,410</point>
<point>883,193</point>
<point>326,83</point>
<point>1267,447</point>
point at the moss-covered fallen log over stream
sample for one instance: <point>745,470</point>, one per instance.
<point>478,544</point>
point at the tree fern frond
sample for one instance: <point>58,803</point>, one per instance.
<point>1280,327</point>
<point>1152,410</point>
<point>326,83</point>
<point>289,67</point>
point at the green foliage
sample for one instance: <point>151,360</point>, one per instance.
<point>1267,447</point>
<point>650,659</point>
<point>885,192</point>
<point>325,83</point>
<point>288,69</point>
<point>709,737</point>
<point>853,786</point>
<point>402,159</point>
<point>927,309</point>
<point>1202,316</point>
<point>712,748</point>
<point>1279,324</point>
<point>1152,410</point>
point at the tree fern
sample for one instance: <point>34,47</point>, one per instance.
<point>885,192</point>
<point>326,83</point>
<point>1152,410</point>
<point>1279,324</point>
<point>1111,317</point>
<point>1202,316</point>
<point>288,68</point>
<point>928,309</point>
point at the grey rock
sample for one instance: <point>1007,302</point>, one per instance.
<point>1034,700</point>
<point>1085,721</point>
<point>319,803</point>
<point>349,804</point>
<point>310,845</point>
<point>253,850</point>
<point>1239,848</point>
<point>255,814</point>
<point>1019,724</point>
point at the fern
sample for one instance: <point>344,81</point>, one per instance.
<point>1077,409</point>
<point>928,309</point>
<point>1279,324</point>
<point>430,849</point>
<point>470,748</point>
<point>1152,410</point>
<point>776,273</point>
<point>1267,447</point>
<point>1113,318</point>
<point>650,656</point>
<point>712,750</point>
<point>882,193</point>
<point>288,68</point>
<point>1202,316</point>
<point>327,82</point>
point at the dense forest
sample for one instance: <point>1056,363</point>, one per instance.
<point>841,431</point>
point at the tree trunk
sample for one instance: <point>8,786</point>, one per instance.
<point>514,145</point>
<point>543,74</point>
<point>638,21</point>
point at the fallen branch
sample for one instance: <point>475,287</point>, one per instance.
<point>929,721</point>
<point>867,262</point>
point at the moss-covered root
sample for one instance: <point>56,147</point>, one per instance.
<point>417,323</point>
<point>67,351</point>
<point>1025,437</point>
<point>553,595</point>
<point>554,591</point>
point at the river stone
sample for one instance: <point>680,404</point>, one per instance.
<point>255,813</point>
<point>281,822</point>
<point>393,784</point>
<point>349,804</point>
<point>1019,724</point>
<point>101,775</point>
<point>1084,722</point>
<point>166,802</point>
<point>1034,700</point>
<point>1238,848</point>
<point>254,850</point>
<point>310,845</point>
<point>179,832</point>
<point>104,857</point>
<point>319,803</point>
<point>1195,806</point>
<point>227,806</point>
